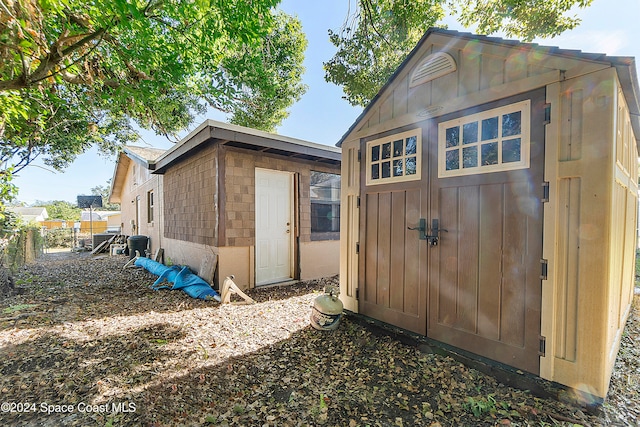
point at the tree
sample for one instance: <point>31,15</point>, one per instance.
<point>75,74</point>
<point>60,209</point>
<point>103,191</point>
<point>378,34</point>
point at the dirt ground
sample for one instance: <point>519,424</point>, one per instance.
<point>87,343</point>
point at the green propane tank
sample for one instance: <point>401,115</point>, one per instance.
<point>327,310</point>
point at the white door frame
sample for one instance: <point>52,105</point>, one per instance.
<point>274,273</point>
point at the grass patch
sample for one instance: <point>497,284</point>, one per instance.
<point>18,307</point>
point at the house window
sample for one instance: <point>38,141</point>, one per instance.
<point>491,141</point>
<point>150,205</point>
<point>325,206</point>
<point>394,158</point>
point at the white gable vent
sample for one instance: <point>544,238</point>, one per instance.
<point>432,67</point>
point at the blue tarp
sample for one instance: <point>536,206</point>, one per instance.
<point>181,277</point>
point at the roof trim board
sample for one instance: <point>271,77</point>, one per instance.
<point>247,138</point>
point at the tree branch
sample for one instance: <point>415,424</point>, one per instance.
<point>48,63</point>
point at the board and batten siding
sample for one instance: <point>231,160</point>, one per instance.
<point>485,72</point>
<point>590,223</point>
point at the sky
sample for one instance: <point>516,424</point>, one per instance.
<point>322,116</point>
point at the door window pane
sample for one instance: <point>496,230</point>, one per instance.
<point>411,145</point>
<point>470,157</point>
<point>375,171</point>
<point>411,166</point>
<point>453,137</point>
<point>490,154</point>
<point>511,150</point>
<point>511,124</point>
<point>375,153</point>
<point>386,169</point>
<point>453,160</point>
<point>386,150</point>
<point>489,128</point>
<point>398,148</point>
<point>397,167</point>
<point>470,133</point>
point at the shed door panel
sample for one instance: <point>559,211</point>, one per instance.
<point>393,259</point>
<point>479,288</point>
<point>485,284</point>
<point>484,275</point>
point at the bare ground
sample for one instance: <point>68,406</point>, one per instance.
<point>87,343</point>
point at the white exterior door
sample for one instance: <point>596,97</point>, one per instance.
<point>274,226</point>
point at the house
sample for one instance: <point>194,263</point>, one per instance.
<point>230,200</point>
<point>136,189</point>
<point>489,203</point>
<point>35,214</point>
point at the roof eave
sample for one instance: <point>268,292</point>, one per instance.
<point>212,131</point>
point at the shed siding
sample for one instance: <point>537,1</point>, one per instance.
<point>589,230</point>
<point>480,67</point>
<point>190,199</point>
<point>239,178</point>
<point>349,224</point>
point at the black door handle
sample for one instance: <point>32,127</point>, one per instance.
<point>432,238</point>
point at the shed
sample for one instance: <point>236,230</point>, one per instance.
<point>237,201</point>
<point>490,203</point>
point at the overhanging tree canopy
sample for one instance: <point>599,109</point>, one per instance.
<point>378,34</point>
<point>75,73</point>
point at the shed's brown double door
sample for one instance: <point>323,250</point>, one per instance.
<point>479,288</point>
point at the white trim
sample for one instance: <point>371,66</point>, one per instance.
<point>524,107</point>
<point>391,139</point>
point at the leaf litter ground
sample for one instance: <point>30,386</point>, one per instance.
<point>86,343</point>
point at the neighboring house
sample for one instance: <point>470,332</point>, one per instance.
<point>230,200</point>
<point>30,214</point>
<point>136,190</point>
<point>109,221</point>
<point>490,203</point>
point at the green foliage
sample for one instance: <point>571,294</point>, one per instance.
<point>378,35</point>
<point>59,238</point>
<point>104,190</point>
<point>60,209</point>
<point>74,74</point>
<point>482,406</point>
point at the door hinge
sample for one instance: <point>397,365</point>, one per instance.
<point>544,269</point>
<point>543,346</point>
<point>359,155</point>
<point>545,192</point>
<point>357,293</point>
<point>358,202</point>
<point>547,114</point>
<point>358,248</point>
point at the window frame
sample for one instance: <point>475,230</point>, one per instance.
<point>417,133</point>
<point>523,107</point>
<point>334,202</point>
<point>150,206</point>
